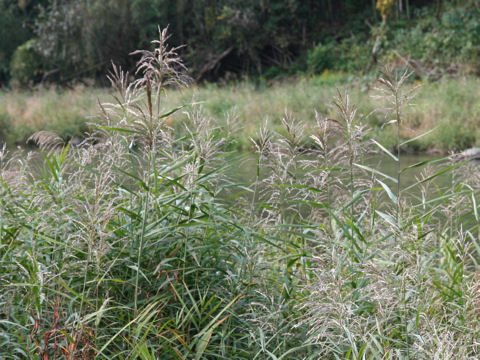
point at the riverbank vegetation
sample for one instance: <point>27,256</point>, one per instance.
<point>138,245</point>
<point>449,107</point>
<point>64,42</point>
<point>251,63</point>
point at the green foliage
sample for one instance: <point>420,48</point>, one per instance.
<point>449,106</point>
<point>321,58</point>
<point>80,38</point>
<point>353,53</point>
<point>148,15</point>
<point>27,64</point>
<point>5,128</point>
<point>129,247</point>
<point>16,27</point>
<point>441,44</point>
<point>454,136</point>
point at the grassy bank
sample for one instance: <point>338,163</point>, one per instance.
<point>64,111</point>
<point>130,248</point>
<point>450,106</point>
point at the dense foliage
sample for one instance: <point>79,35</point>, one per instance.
<point>16,27</point>
<point>78,39</point>
<point>137,245</point>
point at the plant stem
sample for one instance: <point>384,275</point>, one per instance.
<point>140,249</point>
<point>399,215</point>
<point>255,190</point>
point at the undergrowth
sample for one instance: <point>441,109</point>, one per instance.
<point>127,247</point>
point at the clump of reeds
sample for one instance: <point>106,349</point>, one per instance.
<point>123,248</point>
<point>376,289</point>
<point>117,241</point>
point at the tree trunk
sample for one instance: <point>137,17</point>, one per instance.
<point>439,8</point>
<point>180,15</point>
<point>330,10</point>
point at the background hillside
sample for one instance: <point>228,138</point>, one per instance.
<point>58,41</point>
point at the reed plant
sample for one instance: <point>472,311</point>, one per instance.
<point>373,305</point>
<point>126,247</point>
<point>119,243</point>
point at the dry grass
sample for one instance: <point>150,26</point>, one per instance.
<point>448,106</point>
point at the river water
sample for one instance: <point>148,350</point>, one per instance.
<point>243,169</point>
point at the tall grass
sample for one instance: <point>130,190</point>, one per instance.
<point>127,248</point>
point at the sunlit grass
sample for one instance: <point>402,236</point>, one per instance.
<point>449,106</point>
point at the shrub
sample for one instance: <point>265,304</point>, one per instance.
<point>441,44</point>
<point>353,54</point>
<point>14,30</point>
<point>320,58</point>
<point>455,136</point>
<point>27,65</point>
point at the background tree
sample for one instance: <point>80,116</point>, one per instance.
<point>16,27</point>
<point>77,39</point>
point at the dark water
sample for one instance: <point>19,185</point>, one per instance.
<point>244,169</point>
<point>425,195</point>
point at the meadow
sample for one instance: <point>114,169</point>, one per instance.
<point>449,106</point>
<point>129,246</point>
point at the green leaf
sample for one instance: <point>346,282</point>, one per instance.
<point>419,136</point>
<point>423,163</point>
<point>206,333</point>
<point>80,296</point>
<point>374,171</point>
<point>433,176</point>
<point>133,176</point>
<point>147,312</point>
<point>52,168</point>
<point>388,218</point>
<point>299,186</point>
<point>389,192</point>
<point>385,150</point>
<point>205,339</point>
<point>355,198</point>
<point>171,112</point>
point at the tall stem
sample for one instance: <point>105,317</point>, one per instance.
<point>399,217</point>
<point>142,239</point>
<point>255,191</point>
<point>399,170</point>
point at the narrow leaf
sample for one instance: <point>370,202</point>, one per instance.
<point>385,150</point>
<point>388,218</point>
<point>374,171</point>
<point>419,136</point>
<point>389,192</point>
<point>423,163</point>
<point>433,176</point>
<point>118,129</point>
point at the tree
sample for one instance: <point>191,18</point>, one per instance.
<point>16,27</point>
